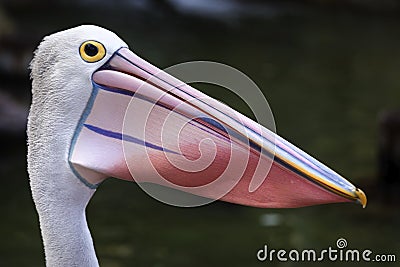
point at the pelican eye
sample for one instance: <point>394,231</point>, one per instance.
<point>92,51</point>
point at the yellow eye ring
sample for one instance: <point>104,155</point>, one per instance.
<point>92,51</point>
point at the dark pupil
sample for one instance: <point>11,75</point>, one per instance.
<point>91,50</point>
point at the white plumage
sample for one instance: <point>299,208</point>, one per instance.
<point>61,86</point>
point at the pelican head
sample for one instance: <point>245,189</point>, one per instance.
<point>98,111</point>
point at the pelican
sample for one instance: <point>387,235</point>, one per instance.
<point>84,80</point>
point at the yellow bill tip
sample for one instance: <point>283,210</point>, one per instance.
<point>361,197</point>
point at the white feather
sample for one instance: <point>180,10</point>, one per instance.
<point>61,86</point>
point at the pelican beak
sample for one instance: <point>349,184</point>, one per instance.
<point>143,125</point>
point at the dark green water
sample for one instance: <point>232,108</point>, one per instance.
<point>326,76</point>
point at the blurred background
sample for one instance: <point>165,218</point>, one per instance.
<point>330,71</point>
